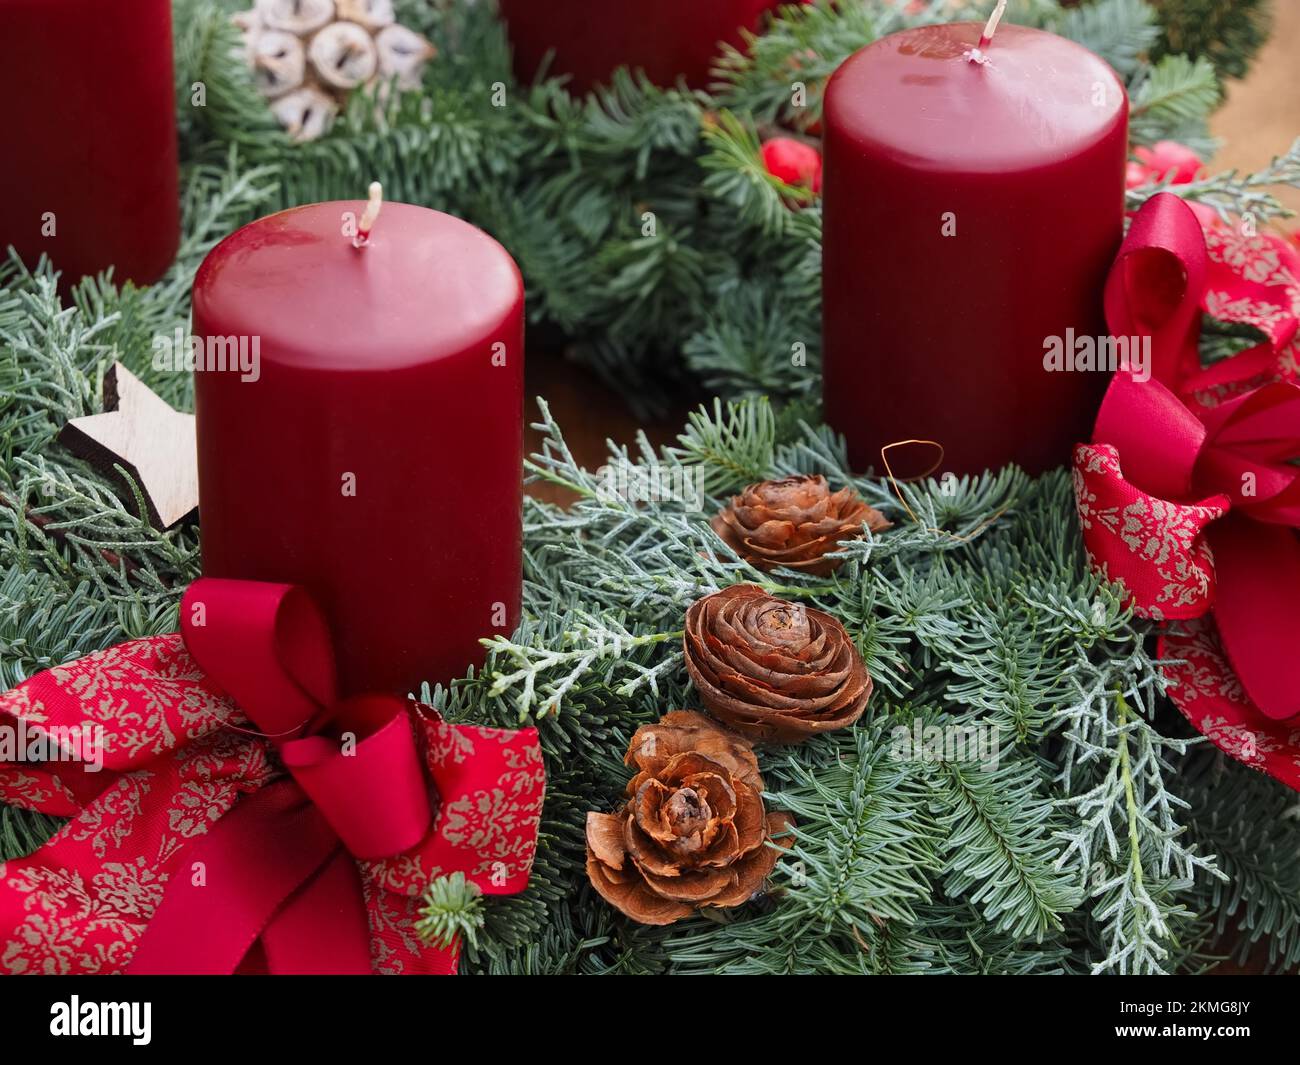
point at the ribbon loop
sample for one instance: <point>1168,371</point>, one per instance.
<point>1160,439</point>
<point>219,865</point>
<point>265,644</point>
<point>1196,442</point>
<point>371,790</point>
<point>1155,286</point>
<point>268,644</point>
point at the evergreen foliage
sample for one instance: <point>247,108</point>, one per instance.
<point>647,228</point>
<point>1255,908</point>
<point>1227,32</point>
<point>1105,839</point>
<point>452,912</point>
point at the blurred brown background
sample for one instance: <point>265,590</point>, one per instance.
<point>1260,119</point>
<point>1262,115</point>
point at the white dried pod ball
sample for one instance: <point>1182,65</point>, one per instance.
<point>343,55</point>
<point>305,113</point>
<point>296,16</point>
<point>402,55</point>
<point>372,14</point>
<point>279,62</point>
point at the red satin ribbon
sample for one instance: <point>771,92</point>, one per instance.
<point>1173,455</point>
<point>272,849</point>
<point>320,872</point>
<point>268,646</point>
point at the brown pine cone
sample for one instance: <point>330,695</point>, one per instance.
<point>794,522</point>
<point>693,831</point>
<point>773,671</point>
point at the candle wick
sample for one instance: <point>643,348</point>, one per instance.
<point>990,28</point>
<point>370,215</point>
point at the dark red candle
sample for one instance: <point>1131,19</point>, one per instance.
<point>973,203</point>
<point>89,174</point>
<point>667,39</point>
<point>377,455</point>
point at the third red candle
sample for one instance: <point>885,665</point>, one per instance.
<point>973,204</point>
<point>667,39</point>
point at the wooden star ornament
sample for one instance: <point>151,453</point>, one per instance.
<point>143,434</point>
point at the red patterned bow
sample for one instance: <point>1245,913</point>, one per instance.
<point>192,851</point>
<point>1188,494</point>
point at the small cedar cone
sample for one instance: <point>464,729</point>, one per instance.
<point>693,831</point>
<point>794,523</point>
<point>773,671</point>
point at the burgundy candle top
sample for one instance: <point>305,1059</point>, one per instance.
<point>929,99</point>
<point>317,301</point>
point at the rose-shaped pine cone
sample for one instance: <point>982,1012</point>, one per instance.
<point>794,523</point>
<point>693,831</point>
<point>773,671</point>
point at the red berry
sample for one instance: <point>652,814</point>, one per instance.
<point>794,162</point>
<point>1169,159</point>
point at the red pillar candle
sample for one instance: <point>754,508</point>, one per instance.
<point>90,173</point>
<point>667,39</point>
<point>973,203</point>
<point>376,458</point>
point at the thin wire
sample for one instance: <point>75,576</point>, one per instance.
<point>893,482</point>
<point>261,735</point>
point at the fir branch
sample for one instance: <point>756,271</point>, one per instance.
<point>757,344</point>
<point>452,912</point>
<point>227,108</point>
<point>859,864</point>
<point>1122,32</point>
<point>804,44</point>
<point>870,848</point>
<point>1228,32</point>
<point>652,278</point>
<point>738,177</point>
<point>1249,821</point>
<point>631,120</point>
<point>1171,100</point>
<point>732,444</point>
<point>1000,849</point>
<point>24,831</point>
